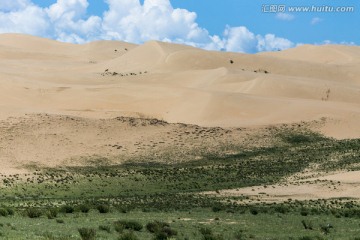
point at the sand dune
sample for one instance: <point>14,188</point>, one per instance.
<point>180,83</point>
<point>329,54</point>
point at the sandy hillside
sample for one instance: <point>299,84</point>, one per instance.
<point>179,84</point>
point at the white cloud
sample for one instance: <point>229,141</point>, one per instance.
<point>28,19</point>
<point>316,20</point>
<point>270,43</point>
<point>155,19</point>
<point>12,5</point>
<point>69,22</point>
<point>327,42</point>
<point>239,39</point>
<point>128,20</point>
<point>285,16</point>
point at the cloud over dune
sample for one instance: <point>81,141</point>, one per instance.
<point>128,20</point>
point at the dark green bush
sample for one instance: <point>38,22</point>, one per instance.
<point>67,209</point>
<point>52,213</point>
<point>162,230</point>
<point>326,228</point>
<point>300,138</point>
<point>254,211</point>
<point>34,213</point>
<point>87,233</point>
<point>10,211</point>
<point>304,212</point>
<point>156,226</point>
<point>281,209</point>
<point>3,212</point>
<point>84,208</point>
<point>169,232</point>
<point>102,208</point>
<point>119,227</point>
<point>205,231</point>
<point>105,228</point>
<point>306,238</point>
<point>311,238</point>
<point>216,208</point>
<point>123,209</point>
<point>307,224</point>
<point>128,236</point>
<point>131,225</point>
<point>240,235</point>
<point>160,236</point>
<point>207,234</point>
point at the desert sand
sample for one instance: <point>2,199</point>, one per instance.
<point>342,185</point>
<point>59,101</point>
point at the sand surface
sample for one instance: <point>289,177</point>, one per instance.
<point>344,185</point>
<point>60,101</point>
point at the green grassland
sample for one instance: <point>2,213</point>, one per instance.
<point>103,199</point>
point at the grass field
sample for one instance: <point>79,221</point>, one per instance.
<point>124,201</point>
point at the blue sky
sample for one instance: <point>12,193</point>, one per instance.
<point>230,25</point>
<point>336,27</point>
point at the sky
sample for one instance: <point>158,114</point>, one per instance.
<point>229,25</point>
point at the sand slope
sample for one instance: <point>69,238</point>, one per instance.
<point>181,84</point>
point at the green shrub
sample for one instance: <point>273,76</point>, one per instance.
<point>169,232</point>
<point>160,236</point>
<point>102,208</point>
<point>84,208</point>
<point>122,209</point>
<point>87,233</point>
<point>162,230</point>
<point>207,234</point>
<point>300,138</point>
<point>156,226</point>
<point>52,213</point>
<point>281,209</point>
<point>212,237</point>
<point>205,231</point>
<point>254,211</point>
<point>307,224</point>
<point>216,208</point>
<point>240,235</point>
<point>306,238</point>
<point>326,228</point>
<point>67,209</point>
<point>51,236</point>
<point>119,227</point>
<point>128,236</point>
<point>10,211</point>
<point>105,228</point>
<point>131,225</point>
<point>3,212</point>
<point>34,213</point>
<point>311,238</point>
<point>304,212</point>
